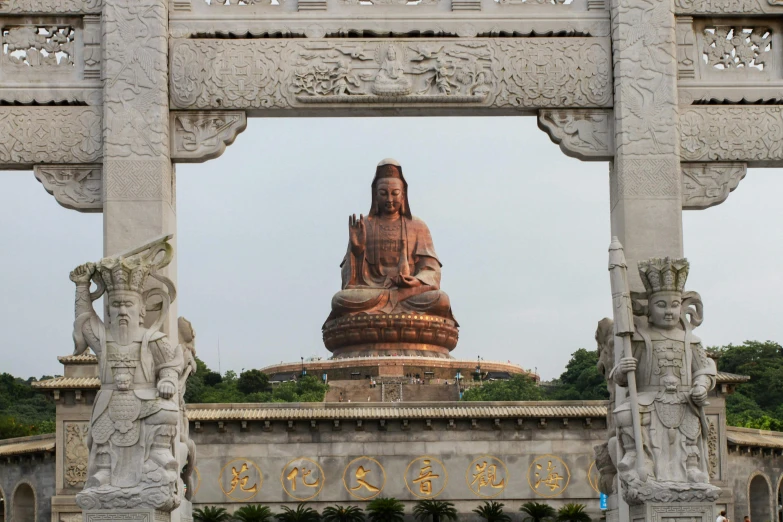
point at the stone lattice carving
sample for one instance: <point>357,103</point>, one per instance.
<point>673,377</point>
<point>30,135</point>
<point>729,47</point>
<point>727,133</point>
<point>586,134</point>
<point>202,135</point>
<point>78,187</point>
<point>270,74</point>
<point>712,447</point>
<point>76,454</point>
<point>50,6</point>
<point>38,47</point>
<point>133,428</point>
<point>708,184</point>
<point>139,180</point>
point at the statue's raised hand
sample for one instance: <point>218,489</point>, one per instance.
<point>83,273</point>
<point>357,233</point>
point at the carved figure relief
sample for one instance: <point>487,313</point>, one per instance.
<point>30,135</point>
<point>712,448</point>
<point>586,134</point>
<point>736,47</point>
<point>524,72</point>
<point>705,185</point>
<point>203,135</point>
<point>78,187</point>
<point>76,454</point>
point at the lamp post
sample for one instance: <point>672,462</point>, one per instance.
<point>304,372</point>
<point>478,367</point>
<point>457,378</point>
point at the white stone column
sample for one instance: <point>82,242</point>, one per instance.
<point>645,179</point>
<point>139,186</point>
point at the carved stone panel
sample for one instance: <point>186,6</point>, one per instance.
<point>76,454</point>
<point>77,187</point>
<point>203,135</point>
<point>752,134</point>
<point>479,72</point>
<point>32,135</point>
<point>727,7</point>
<point>586,134</point>
<point>50,6</point>
<point>705,185</point>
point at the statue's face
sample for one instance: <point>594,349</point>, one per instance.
<point>389,194</point>
<point>124,309</point>
<point>664,310</point>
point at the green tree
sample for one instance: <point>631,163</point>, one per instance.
<point>537,511</point>
<point>517,388</point>
<point>435,510</point>
<point>385,510</point>
<point>23,409</point>
<point>342,514</point>
<point>252,381</point>
<point>572,513</point>
<point>253,513</point>
<point>212,378</point>
<point>492,511</point>
<point>302,513</point>
<point>581,379</point>
<point>211,514</point>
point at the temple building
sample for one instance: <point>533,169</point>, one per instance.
<point>348,453</point>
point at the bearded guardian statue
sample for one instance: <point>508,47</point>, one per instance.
<point>673,377</point>
<point>136,413</point>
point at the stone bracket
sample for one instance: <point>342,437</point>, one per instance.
<point>585,134</point>
<point>705,185</point>
<point>77,187</point>
<point>198,136</point>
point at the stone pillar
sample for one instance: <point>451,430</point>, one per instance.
<point>645,179</point>
<point>139,198</point>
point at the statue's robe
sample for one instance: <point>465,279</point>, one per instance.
<point>673,427</point>
<point>119,423</point>
<point>392,248</point>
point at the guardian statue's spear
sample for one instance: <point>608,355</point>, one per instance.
<point>624,329</point>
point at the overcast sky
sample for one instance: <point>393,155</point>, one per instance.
<point>521,229</point>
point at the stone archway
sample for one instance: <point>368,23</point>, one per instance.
<point>779,501</point>
<point>760,498</point>
<point>2,504</point>
<point>23,503</point>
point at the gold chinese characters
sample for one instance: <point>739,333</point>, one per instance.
<point>487,476</point>
<point>302,479</point>
<point>426,477</point>
<point>364,478</point>
<point>241,479</point>
<point>548,476</point>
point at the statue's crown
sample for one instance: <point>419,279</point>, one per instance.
<point>388,168</point>
<point>124,273</point>
<point>664,274</point>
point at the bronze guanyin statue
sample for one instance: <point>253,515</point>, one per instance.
<point>391,302</point>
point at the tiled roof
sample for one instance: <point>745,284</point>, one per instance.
<point>85,358</point>
<point>728,378</point>
<point>23,445</point>
<point>68,382</point>
<point>453,410</point>
<point>755,438</point>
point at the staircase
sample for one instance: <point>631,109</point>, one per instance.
<point>353,391</point>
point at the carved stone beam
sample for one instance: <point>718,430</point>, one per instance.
<point>585,134</point>
<point>77,187</point>
<point>198,136</point>
<point>705,185</point>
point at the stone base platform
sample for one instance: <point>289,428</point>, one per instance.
<point>390,334</point>
<point>428,368</point>
<point>126,515</point>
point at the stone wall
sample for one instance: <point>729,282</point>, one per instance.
<point>36,471</point>
<point>755,477</point>
<point>463,460</point>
